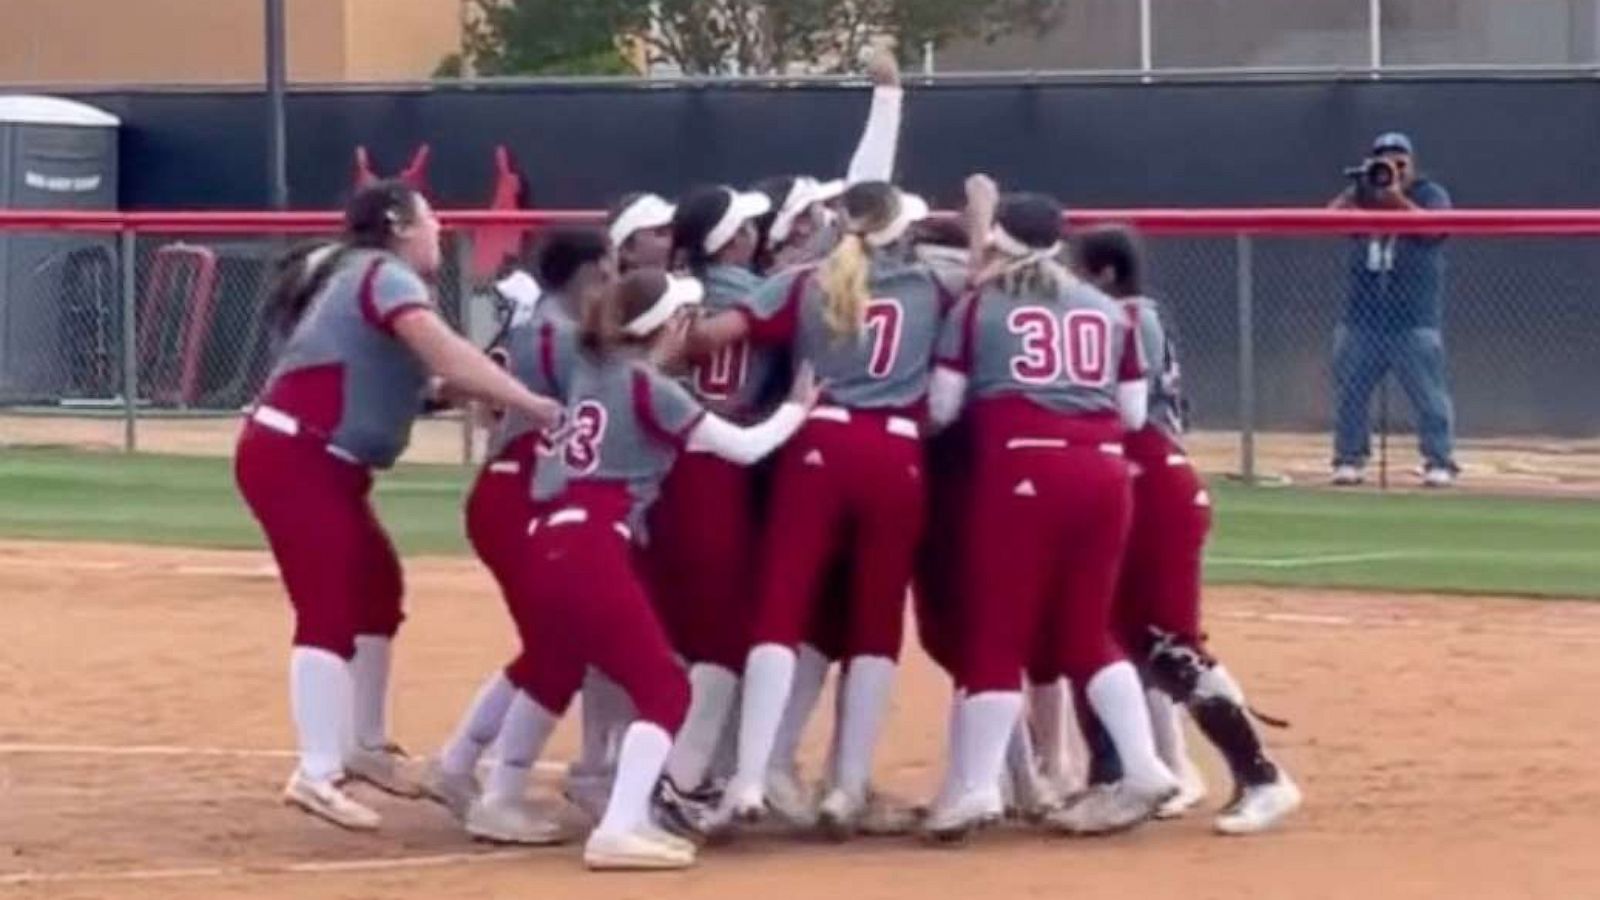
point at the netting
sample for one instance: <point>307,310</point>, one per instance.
<point>1258,299</point>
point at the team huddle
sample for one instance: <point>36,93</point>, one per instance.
<point>731,435</point>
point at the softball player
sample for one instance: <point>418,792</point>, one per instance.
<point>640,228</point>
<point>541,351</point>
<point>1158,602</point>
<point>866,318</point>
<point>363,338</point>
<point>1053,370</point>
<point>701,567</point>
<point>588,607</point>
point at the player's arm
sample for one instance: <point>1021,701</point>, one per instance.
<point>947,391</point>
<point>464,367</point>
<point>1133,388</point>
<point>748,446</point>
<point>769,315</point>
<point>880,139</point>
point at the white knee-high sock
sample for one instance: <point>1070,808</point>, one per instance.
<point>645,746</point>
<point>526,730</point>
<point>768,675</point>
<point>320,696</point>
<point>867,684</point>
<point>1021,762</point>
<point>479,727</point>
<point>1167,729</point>
<point>810,675</point>
<point>606,712</point>
<point>989,723</point>
<point>1045,713</point>
<point>955,765</point>
<point>369,672</point>
<point>1118,699</point>
<point>713,691</point>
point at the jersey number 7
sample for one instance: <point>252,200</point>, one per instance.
<point>884,321</point>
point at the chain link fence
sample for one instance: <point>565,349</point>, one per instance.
<point>1256,318</point>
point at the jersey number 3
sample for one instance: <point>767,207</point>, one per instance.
<point>1075,346</point>
<point>582,453</point>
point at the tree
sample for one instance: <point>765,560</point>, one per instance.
<point>543,37</point>
<point>721,37</point>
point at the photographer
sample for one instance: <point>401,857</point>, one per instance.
<point>1394,316</point>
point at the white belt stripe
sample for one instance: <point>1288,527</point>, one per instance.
<point>899,426</point>
<point>1109,449</point>
<point>574,515</point>
<point>283,423</point>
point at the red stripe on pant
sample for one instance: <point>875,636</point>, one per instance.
<point>336,561</point>
<point>846,493</point>
<point>701,558</point>
<point>585,606</point>
<point>1047,532</point>
<point>1160,580</point>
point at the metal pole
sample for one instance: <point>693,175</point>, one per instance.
<point>1245,285</point>
<point>462,247</point>
<point>1147,54</point>
<point>1375,36</point>
<point>127,248</point>
<point>277,147</point>
<point>927,58</point>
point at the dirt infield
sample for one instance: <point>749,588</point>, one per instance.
<point>1530,465</point>
<point>1444,744</point>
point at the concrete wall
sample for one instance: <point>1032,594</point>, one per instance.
<point>219,41</point>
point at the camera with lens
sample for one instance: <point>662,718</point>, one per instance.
<point>1374,177</point>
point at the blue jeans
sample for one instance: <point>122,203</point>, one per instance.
<point>1360,360</point>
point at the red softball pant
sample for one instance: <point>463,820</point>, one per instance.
<point>846,493</point>
<point>336,561</point>
<point>701,558</point>
<point>585,606</point>
<point>939,558</point>
<point>1048,527</point>
<point>1160,581</point>
<point>499,510</point>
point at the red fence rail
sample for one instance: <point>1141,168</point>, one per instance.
<point>1154,221</point>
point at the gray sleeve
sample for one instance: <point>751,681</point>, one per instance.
<point>388,291</point>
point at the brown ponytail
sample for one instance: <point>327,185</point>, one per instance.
<point>371,219</point>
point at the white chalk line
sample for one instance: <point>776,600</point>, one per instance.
<point>369,864</point>
<point>1297,562</point>
<point>26,748</point>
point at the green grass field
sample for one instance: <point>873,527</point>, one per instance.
<point>1403,542</point>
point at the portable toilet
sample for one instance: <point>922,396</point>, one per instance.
<point>60,319</point>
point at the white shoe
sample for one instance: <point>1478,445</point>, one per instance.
<point>454,791</point>
<point>791,799</point>
<point>1348,476</point>
<point>641,848</point>
<point>1438,477</point>
<point>589,791</point>
<point>386,768</point>
<point>840,814</point>
<point>1107,809</point>
<point>1032,796</point>
<point>511,820</point>
<point>887,815</point>
<point>952,821</point>
<point>1260,807</point>
<point>746,803</point>
<point>326,801</point>
<point>1191,791</point>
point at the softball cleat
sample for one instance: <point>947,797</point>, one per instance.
<point>326,801</point>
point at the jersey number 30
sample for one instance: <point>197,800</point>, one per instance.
<point>582,453</point>
<point>1074,346</point>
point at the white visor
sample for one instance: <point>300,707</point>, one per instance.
<point>680,292</point>
<point>913,209</point>
<point>1007,243</point>
<point>802,194</point>
<point>744,206</point>
<point>646,212</point>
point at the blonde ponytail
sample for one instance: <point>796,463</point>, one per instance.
<point>844,286</point>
